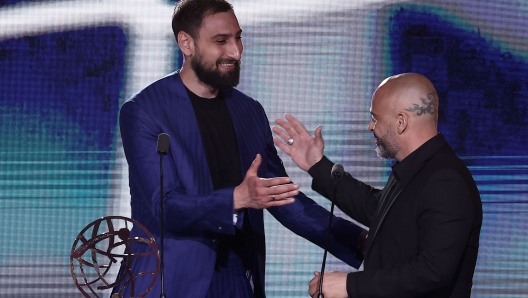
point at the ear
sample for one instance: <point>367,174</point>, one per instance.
<point>186,43</point>
<point>403,122</point>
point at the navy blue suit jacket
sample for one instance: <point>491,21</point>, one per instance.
<point>195,214</point>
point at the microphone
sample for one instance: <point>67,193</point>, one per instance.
<point>162,149</point>
<point>163,144</point>
<point>336,173</point>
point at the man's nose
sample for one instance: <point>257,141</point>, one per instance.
<point>371,125</point>
<point>235,50</point>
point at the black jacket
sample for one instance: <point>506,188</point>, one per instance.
<point>426,245</point>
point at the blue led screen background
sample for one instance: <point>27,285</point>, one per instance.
<point>67,66</point>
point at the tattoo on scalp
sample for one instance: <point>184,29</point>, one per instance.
<point>429,105</point>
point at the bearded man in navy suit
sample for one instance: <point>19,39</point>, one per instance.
<point>221,170</point>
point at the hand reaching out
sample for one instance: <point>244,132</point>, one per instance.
<point>259,193</point>
<point>305,150</point>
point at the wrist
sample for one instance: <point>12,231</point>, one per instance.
<point>238,203</point>
<point>314,161</point>
<point>321,166</point>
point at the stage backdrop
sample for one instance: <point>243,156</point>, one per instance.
<point>67,66</point>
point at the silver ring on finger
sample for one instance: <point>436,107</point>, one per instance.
<point>290,141</point>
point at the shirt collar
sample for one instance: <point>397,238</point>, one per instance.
<point>410,165</point>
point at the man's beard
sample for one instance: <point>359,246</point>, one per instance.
<point>214,77</point>
<point>387,146</point>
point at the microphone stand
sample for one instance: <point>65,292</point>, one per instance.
<point>320,294</point>
<point>337,172</point>
<point>162,149</point>
<point>162,275</point>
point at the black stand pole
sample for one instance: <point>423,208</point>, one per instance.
<point>320,294</point>
<point>162,273</point>
<point>336,174</point>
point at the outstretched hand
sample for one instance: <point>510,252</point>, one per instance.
<point>305,150</point>
<point>260,193</point>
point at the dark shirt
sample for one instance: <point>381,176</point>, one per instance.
<point>410,165</point>
<point>402,172</point>
<point>219,139</point>
<point>223,158</point>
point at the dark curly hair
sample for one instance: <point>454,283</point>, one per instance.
<point>189,14</point>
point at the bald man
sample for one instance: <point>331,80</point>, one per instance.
<point>424,225</point>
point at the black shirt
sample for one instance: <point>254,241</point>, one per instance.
<point>223,158</point>
<point>219,139</point>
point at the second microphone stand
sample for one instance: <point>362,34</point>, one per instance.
<point>337,172</point>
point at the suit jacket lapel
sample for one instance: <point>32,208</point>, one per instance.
<point>411,170</point>
<point>390,202</point>
<point>239,114</point>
